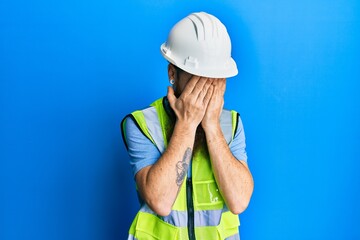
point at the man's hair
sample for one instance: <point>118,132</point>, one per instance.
<point>178,70</point>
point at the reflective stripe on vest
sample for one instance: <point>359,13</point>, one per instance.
<point>233,237</point>
<point>179,218</point>
<point>155,131</point>
<point>154,127</point>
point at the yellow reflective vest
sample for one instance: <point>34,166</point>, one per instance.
<point>199,211</point>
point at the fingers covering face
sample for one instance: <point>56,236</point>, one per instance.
<point>198,87</point>
<point>190,85</point>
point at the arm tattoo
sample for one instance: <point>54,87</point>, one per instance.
<point>182,166</point>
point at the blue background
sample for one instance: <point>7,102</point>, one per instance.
<point>71,70</point>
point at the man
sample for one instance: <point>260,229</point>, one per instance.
<point>187,152</point>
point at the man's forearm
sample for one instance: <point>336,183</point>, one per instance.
<point>232,176</point>
<point>160,183</point>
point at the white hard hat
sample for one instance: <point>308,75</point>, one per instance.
<point>199,44</point>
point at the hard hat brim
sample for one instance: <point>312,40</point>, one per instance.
<point>229,69</point>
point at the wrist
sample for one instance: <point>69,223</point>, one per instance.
<point>212,129</point>
<point>186,127</point>
<point>211,125</point>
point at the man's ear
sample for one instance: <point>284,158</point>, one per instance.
<point>171,71</point>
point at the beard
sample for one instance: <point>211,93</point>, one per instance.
<point>200,139</point>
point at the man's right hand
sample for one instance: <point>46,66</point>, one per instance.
<point>190,107</point>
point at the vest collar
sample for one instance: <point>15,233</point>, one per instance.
<point>169,111</point>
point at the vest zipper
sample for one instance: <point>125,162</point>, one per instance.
<point>190,208</point>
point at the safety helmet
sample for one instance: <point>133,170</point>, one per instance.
<point>200,44</point>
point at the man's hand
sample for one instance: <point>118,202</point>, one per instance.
<point>190,107</point>
<point>214,108</point>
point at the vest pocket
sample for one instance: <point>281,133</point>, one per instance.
<point>150,227</point>
<point>207,195</point>
<point>229,225</point>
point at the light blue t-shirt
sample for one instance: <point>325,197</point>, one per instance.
<point>144,153</point>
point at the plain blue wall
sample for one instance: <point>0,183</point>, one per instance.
<point>71,70</point>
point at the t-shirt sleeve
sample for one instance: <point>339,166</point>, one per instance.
<point>238,145</point>
<point>141,150</point>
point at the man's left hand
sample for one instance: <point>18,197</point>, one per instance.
<point>214,108</point>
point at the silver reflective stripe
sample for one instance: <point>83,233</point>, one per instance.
<point>203,218</point>
<point>147,209</point>
<point>175,218</point>
<point>207,217</point>
<point>131,237</point>
<point>226,125</point>
<point>154,127</point>
<point>233,237</point>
